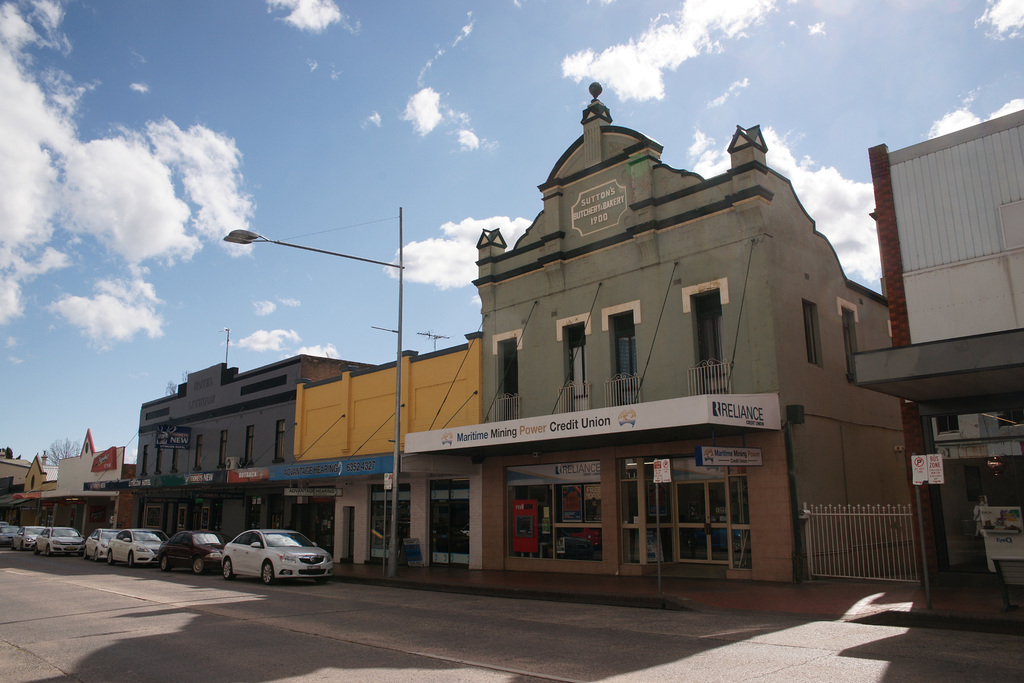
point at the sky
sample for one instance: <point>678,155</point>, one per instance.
<point>135,134</point>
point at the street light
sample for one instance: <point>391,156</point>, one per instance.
<point>249,237</point>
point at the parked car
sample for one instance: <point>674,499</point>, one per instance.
<point>7,534</point>
<point>61,540</point>
<point>25,539</point>
<point>96,544</point>
<point>135,546</point>
<point>273,554</point>
<point>200,550</point>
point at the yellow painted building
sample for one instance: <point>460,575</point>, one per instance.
<point>351,419</point>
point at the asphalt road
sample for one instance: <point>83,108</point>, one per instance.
<point>64,619</point>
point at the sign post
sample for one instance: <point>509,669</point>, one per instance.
<point>662,475</point>
<point>927,469</point>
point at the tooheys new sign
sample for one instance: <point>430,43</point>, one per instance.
<point>107,460</point>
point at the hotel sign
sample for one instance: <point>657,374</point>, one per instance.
<point>599,208</point>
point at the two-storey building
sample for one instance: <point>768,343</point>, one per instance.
<point>667,371</point>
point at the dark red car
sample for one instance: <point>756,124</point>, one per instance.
<point>200,550</point>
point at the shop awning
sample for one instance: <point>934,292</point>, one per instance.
<point>981,372</point>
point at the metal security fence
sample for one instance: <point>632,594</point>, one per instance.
<point>861,542</point>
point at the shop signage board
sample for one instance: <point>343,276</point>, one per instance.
<point>314,491</point>
<point>174,436</point>
<point>751,411</point>
<point>720,456</point>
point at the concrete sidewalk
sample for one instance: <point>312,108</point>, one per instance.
<point>959,601</point>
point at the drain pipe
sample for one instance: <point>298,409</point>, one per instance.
<point>794,415</point>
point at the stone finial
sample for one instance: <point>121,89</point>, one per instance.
<point>596,90</point>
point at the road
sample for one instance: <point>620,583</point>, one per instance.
<point>64,619</point>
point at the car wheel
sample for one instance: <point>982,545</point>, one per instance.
<point>35,551</point>
<point>225,570</point>
<point>110,557</point>
<point>96,555</point>
<point>131,560</point>
<point>49,551</point>
<point>267,572</point>
<point>165,564</point>
<point>85,555</point>
<point>198,566</point>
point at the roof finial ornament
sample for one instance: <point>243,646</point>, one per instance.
<point>595,90</point>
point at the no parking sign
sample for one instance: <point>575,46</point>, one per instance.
<point>927,469</point>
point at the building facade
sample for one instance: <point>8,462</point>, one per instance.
<point>667,371</point>
<point>950,218</point>
<point>75,503</point>
<point>349,420</point>
<point>219,454</point>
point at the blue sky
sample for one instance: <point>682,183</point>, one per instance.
<point>134,134</point>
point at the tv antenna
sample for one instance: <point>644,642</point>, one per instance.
<point>433,337</point>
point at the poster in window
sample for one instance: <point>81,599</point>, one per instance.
<point>661,507</point>
<point>96,513</point>
<point>181,516</point>
<point>654,552</point>
<point>572,503</point>
<point>592,502</point>
<point>524,526</point>
<point>204,520</point>
<point>153,516</point>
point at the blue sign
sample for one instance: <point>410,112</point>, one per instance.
<point>168,436</point>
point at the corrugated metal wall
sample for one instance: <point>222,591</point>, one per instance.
<point>947,201</point>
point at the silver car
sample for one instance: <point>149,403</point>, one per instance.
<point>135,546</point>
<point>25,539</point>
<point>7,534</point>
<point>96,544</point>
<point>59,540</point>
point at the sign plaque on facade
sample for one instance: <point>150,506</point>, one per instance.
<point>599,207</point>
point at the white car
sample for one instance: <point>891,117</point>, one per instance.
<point>135,546</point>
<point>96,544</point>
<point>59,540</point>
<point>273,554</point>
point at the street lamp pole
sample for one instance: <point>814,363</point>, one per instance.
<point>249,237</point>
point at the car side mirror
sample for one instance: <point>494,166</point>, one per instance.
<point>256,544</point>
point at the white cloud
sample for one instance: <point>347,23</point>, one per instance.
<point>312,15</point>
<point>11,342</point>
<point>14,360</point>
<point>463,33</point>
<point>839,206</point>
<point>450,261</point>
<point>119,190</point>
<point>1005,17</point>
<point>117,312</point>
<point>735,87</point>
<point>312,64</point>
<point>320,350</point>
<point>424,110</point>
<point>293,303</point>
<point>372,120</point>
<point>965,118</point>
<point>139,87</point>
<point>634,70</point>
<point>468,140</point>
<point>269,340</point>
<point>816,29</point>
<point>264,307</point>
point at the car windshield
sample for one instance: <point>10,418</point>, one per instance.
<point>65,533</point>
<point>33,530</point>
<point>150,536</point>
<point>288,539</point>
<point>107,534</point>
<point>208,538</point>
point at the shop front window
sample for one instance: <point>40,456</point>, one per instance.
<point>550,519</point>
<point>703,514</point>
<point>380,517</point>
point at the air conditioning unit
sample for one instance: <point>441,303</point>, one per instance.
<point>232,463</point>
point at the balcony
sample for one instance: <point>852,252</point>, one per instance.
<point>710,377</point>
<point>506,407</point>
<point>573,397</point>
<point>622,390</point>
